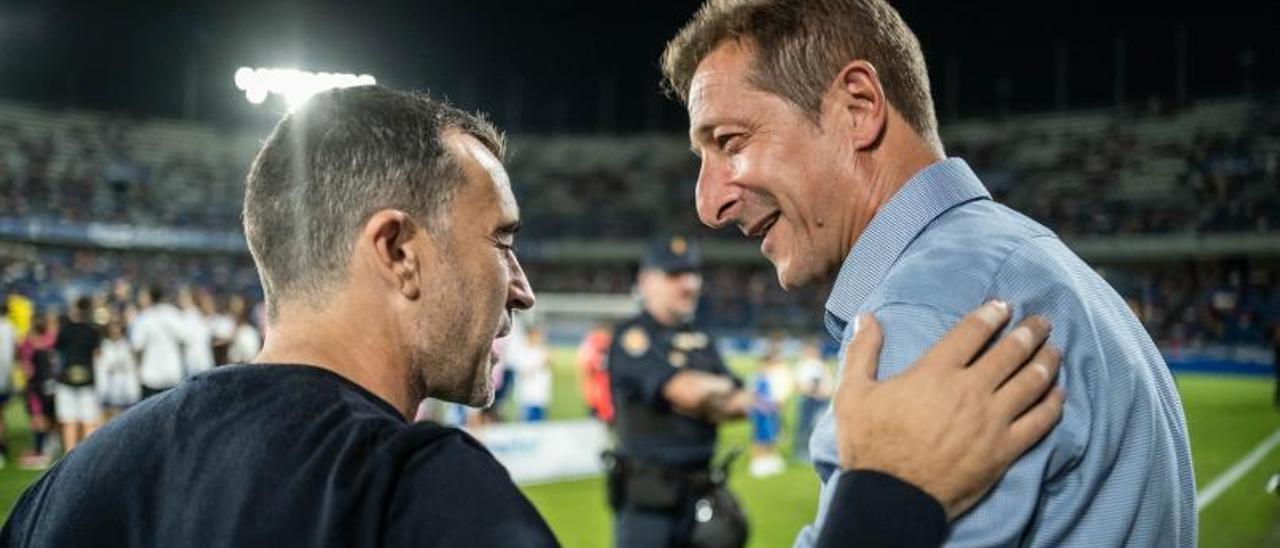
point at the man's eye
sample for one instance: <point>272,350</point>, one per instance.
<point>724,142</point>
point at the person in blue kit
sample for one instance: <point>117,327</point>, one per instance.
<point>815,127</point>
<point>671,390</point>
<point>765,417</point>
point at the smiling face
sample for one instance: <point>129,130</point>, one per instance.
<point>771,171</point>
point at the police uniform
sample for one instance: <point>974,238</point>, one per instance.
<point>662,454</point>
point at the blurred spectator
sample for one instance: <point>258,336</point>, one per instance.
<point>36,357</point>
<point>593,376</point>
<point>197,331</point>
<point>765,416</point>
<point>245,340</point>
<point>222,326</point>
<point>157,336</point>
<point>532,364</point>
<point>813,382</point>
<point>117,374</point>
<point>78,408</point>
<point>8,351</point>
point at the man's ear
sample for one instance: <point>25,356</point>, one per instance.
<point>856,102</point>
<point>391,236</point>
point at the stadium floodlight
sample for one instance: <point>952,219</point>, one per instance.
<point>293,85</point>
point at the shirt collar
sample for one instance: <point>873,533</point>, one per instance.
<point>928,194</point>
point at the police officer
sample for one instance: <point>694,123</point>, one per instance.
<point>671,390</point>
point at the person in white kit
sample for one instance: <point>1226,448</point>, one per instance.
<point>245,339</point>
<point>8,351</point>
<point>117,375</point>
<point>813,381</point>
<point>197,335</point>
<point>222,327</point>
<point>156,334</point>
<point>533,377</point>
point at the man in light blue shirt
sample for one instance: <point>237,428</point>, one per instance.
<point>817,134</point>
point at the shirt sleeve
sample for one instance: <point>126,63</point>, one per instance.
<point>875,510</point>
<point>455,493</point>
<point>138,334</point>
<point>720,368</point>
<point>1003,516</point>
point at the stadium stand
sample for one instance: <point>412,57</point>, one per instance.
<point>74,177</point>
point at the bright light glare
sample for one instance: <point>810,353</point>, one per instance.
<point>294,86</point>
<point>256,95</point>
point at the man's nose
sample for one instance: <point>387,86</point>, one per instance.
<point>714,197</point>
<point>519,292</point>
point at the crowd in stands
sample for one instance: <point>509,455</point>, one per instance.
<point>1208,168</point>
<point>1210,171</point>
<point>95,169</point>
<point>1216,303</point>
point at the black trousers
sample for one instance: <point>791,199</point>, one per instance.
<point>635,528</point>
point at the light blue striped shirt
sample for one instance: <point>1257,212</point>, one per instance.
<point>1116,471</point>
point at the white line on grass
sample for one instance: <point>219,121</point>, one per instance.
<point>1224,481</point>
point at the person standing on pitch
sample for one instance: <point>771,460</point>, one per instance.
<point>671,390</point>
<point>157,335</point>
<point>8,357</point>
<point>533,376</point>
<point>78,408</point>
<point>813,382</point>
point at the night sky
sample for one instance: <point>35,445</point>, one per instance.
<point>589,66</point>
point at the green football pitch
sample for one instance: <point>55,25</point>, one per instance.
<point>1228,418</point>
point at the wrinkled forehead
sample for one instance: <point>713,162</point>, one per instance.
<point>712,80</point>
<point>720,83</point>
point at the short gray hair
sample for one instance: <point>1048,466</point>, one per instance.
<point>334,162</point>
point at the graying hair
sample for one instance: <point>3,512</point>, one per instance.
<point>331,164</point>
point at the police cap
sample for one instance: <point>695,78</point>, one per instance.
<point>675,253</point>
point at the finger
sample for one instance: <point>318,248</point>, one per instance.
<point>1033,425</point>
<point>958,347</point>
<point>1012,350</point>
<point>1028,385</point>
<point>862,354</point>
